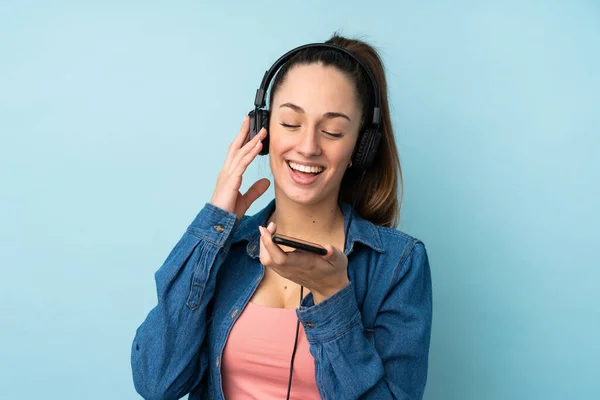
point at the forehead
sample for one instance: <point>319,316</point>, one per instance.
<point>318,89</point>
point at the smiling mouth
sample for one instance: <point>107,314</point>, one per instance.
<point>301,169</point>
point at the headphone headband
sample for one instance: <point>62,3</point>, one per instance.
<point>259,100</point>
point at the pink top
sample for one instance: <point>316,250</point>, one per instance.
<point>257,355</point>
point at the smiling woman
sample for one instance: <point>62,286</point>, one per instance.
<point>230,299</point>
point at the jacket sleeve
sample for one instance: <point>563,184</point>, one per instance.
<point>168,356</point>
<point>394,365</point>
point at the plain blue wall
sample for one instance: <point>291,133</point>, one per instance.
<point>115,119</point>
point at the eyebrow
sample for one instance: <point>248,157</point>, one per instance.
<point>328,115</point>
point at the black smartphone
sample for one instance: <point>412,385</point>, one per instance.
<point>299,244</point>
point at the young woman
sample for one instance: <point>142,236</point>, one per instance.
<point>241,317</point>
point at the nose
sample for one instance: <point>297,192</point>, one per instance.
<point>308,143</point>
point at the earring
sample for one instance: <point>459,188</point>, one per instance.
<point>349,165</point>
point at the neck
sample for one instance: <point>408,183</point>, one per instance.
<point>318,222</point>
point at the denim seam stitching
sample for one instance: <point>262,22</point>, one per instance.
<point>320,383</point>
<point>347,329</point>
<point>335,297</point>
<point>194,285</point>
<point>401,264</point>
<point>220,242</point>
<point>218,210</point>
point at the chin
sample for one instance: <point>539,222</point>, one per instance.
<point>302,198</point>
<point>306,196</point>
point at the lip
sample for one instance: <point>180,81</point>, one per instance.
<point>302,180</point>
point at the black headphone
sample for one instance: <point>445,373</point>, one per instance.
<point>369,138</point>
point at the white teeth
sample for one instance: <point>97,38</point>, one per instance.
<point>303,168</point>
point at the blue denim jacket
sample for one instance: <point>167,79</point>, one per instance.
<point>370,340</point>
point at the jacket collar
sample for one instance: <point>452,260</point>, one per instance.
<point>361,230</point>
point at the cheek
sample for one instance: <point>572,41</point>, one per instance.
<point>340,155</point>
<point>278,145</point>
<point>278,141</point>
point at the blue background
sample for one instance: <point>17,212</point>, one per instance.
<point>115,119</point>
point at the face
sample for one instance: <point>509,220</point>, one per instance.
<point>315,119</point>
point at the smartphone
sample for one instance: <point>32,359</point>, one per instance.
<point>299,244</point>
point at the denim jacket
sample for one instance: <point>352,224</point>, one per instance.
<point>369,340</point>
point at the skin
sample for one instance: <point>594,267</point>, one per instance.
<point>310,99</point>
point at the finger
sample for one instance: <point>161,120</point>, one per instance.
<point>264,256</point>
<point>334,255</point>
<point>242,134</point>
<point>256,190</point>
<point>249,149</point>
<point>239,140</point>
<point>241,165</point>
<point>272,227</point>
<point>277,255</point>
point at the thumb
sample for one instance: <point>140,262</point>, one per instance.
<point>256,190</point>
<point>272,227</point>
<point>333,254</point>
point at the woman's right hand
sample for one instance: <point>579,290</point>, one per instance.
<point>227,194</point>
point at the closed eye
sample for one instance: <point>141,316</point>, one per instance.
<point>335,135</point>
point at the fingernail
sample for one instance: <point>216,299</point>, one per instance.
<point>271,225</point>
<point>260,228</point>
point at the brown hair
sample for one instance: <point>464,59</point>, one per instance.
<point>377,200</point>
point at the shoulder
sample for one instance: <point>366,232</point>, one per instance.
<point>397,268</point>
<point>392,246</point>
<point>392,236</point>
<point>402,252</point>
<point>397,242</point>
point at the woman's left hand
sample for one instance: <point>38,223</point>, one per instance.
<point>322,275</point>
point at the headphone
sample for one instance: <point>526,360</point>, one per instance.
<point>369,138</point>
<point>365,151</point>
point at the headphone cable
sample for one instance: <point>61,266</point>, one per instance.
<point>294,351</point>
<point>302,291</point>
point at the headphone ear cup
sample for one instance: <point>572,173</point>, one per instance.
<point>259,119</point>
<point>366,149</point>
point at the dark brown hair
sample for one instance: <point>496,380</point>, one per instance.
<point>377,200</point>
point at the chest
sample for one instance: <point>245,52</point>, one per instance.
<point>243,279</point>
<point>277,292</point>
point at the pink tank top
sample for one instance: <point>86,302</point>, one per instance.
<point>257,355</point>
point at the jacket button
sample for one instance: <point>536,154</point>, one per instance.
<point>219,228</point>
<point>310,325</point>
